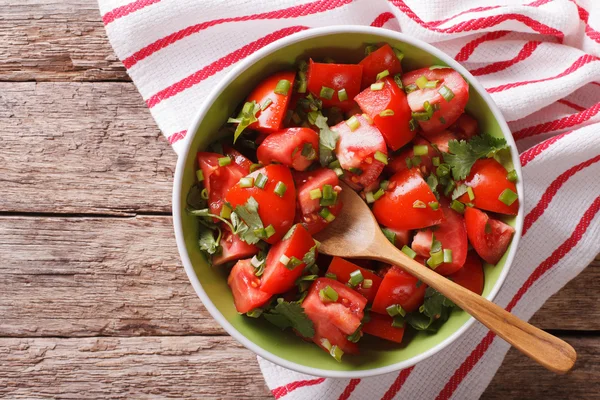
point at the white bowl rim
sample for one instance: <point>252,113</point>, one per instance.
<point>177,185</point>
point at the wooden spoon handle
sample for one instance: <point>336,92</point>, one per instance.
<point>546,349</point>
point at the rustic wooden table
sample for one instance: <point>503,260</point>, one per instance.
<point>94,302</point>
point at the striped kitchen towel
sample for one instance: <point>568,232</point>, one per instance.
<point>538,60</point>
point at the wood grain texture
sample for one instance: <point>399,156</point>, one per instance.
<point>81,148</point>
<point>55,40</point>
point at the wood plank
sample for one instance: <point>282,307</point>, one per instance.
<point>81,148</point>
<point>217,367</point>
<point>129,368</point>
<point>122,276</point>
<point>56,40</point>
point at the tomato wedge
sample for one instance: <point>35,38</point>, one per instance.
<point>488,180</point>
<point>401,237</point>
<point>313,180</point>
<point>399,287</point>
<point>398,161</point>
<point>328,333</point>
<point>356,151</point>
<point>381,326</point>
<point>449,111</point>
<point>238,158</point>
<point>272,209</point>
<point>465,127</point>
<point>452,233</point>
<point>233,248</point>
<point>378,61</point>
<point>271,118</point>
<point>391,100</point>
<point>342,270</point>
<point>293,147</point>
<point>401,207</point>
<point>336,77</point>
<point>244,287</point>
<point>346,313</point>
<point>279,278</point>
<point>441,139</point>
<point>471,275</point>
<point>489,237</point>
<point>218,180</point>
<point>314,222</point>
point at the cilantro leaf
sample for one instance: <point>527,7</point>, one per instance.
<point>432,182</point>
<point>207,241</point>
<point>246,117</point>
<point>327,140</point>
<point>435,311</point>
<point>246,221</point>
<point>194,198</point>
<point>311,256</point>
<point>290,315</point>
<point>459,191</point>
<point>462,155</point>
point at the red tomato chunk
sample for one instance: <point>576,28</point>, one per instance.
<point>292,147</point>
<point>245,287</point>
<point>335,77</point>
<point>381,326</point>
<point>342,270</point>
<point>378,61</point>
<point>399,288</point>
<point>489,237</point>
<point>271,118</point>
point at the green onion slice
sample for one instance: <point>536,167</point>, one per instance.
<point>421,82</point>
<point>381,157</point>
<point>283,87</point>
<point>508,197</point>
<point>382,74</point>
<point>457,206</point>
<point>247,182</point>
<point>419,204</point>
<point>356,277</point>
<point>342,95</point>
<point>512,176</point>
<point>447,255</point>
<point>386,113</point>
<point>377,86</point>
<point>446,92</point>
<point>353,123</point>
<point>331,275</point>
<point>223,161</point>
<point>328,294</point>
<point>199,175</point>
<point>326,92</point>
<point>421,150</point>
<point>260,181</point>
<point>409,252</point>
<point>315,194</point>
<point>280,189</point>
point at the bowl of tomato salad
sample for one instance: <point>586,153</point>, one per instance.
<point>394,119</point>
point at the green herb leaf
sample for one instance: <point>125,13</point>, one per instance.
<point>327,140</point>
<point>310,257</point>
<point>246,220</point>
<point>290,315</point>
<point>207,241</point>
<point>462,155</point>
<point>435,311</point>
<point>459,191</point>
<point>246,117</point>
<point>355,337</point>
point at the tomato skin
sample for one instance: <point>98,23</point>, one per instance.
<point>378,61</point>
<point>381,326</point>
<point>356,149</point>
<point>471,275</point>
<point>285,147</point>
<point>343,268</point>
<point>399,287</point>
<point>314,180</point>
<point>394,128</point>
<point>326,330</point>
<point>488,180</point>
<point>272,209</point>
<point>314,223</point>
<point>346,313</point>
<point>218,180</point>
<point>452,233</point>
<point>395,208</point>
<point>277,278</point>
<point>450,111</point>
<point>336,77</point>
<point>271,118</point>
<point>233,248</point>
<point>402,237</point>
<point>440,140</point>
<point>397,162</point>
<point>244,287</point>
<point>465,127</point>
<point>490,246</point>
<point>238,158</point>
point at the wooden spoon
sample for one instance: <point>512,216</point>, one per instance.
<point>356,234</point>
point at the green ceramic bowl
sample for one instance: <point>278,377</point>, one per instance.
<point>344,44</point>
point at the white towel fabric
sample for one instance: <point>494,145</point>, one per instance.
<point>537,59</point>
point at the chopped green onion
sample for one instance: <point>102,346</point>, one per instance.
<point>326,92</point>
<point>408,163</point>
<point>284,259</point>
<point>257,312</point>
<point>434,205</point>
<point>384,184</point>
<point>293,263</point>
<point>367,118</point>
<point>421,150</point>
<point>223,161</point>
<point>356,171</point>
<point>329,202</point>
<point>410,88</point>
<point>512,176</point>
<point>398,80</point>
<point>336,353</point>
<point>398,322</point>
<point>508,197</point>
<point>370,48</point>
<point>315,194</point>
<point>447,255</point>
<point>386,113</point>
<point>199,175</point>
<point>446,92</point>
<point>369,197</point>
<point>225,211</point>
<point>269,231</point>
<point>436,259</point>
<point>421,308</point>
<point>280,189</point>
<point>382,75</point>
<point>367,284</point>
<point>247,182</point>
<point>254,167</point>
<point>412,125</point>
<point>356,277</point>
<point>377,86</point>
<point>443,170</point>
<point>457,206</point>
<point>260,181</point>
<point>266,104</point>
<point>395,309</point>
<point>338,171</point>
<point>449,188</point>
<point>334,164</point>
<point>283,87</point>
<point>419,204</point>
<point>435,161</point>
<point>326,343</point>
<point>470,193</point>
<point>353,123</point>
<point>409,252</point>
<point>260,232</point>
<point>331,275</point>
<point>326,214</point>
<point>381,157</point>
<point>398,53</point>
<point>327,192</point>
<point>377,195</point>
<point>431,84</point>
<point>391,236</point>
<point>342,95</point>
<point>421,115</point>
<point>421,82</point>
<point>416,160</point>
<point>328,294</point>
<point>204,193</point>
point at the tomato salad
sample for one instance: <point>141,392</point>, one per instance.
<point>436,185</point>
